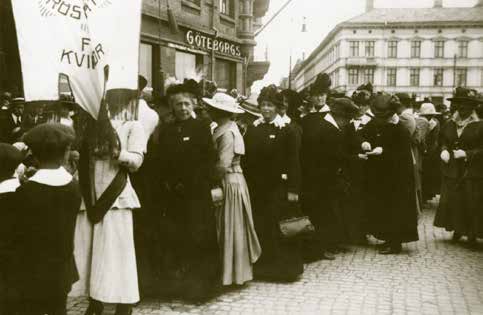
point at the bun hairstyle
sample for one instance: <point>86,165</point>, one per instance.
<point>321,85</point>
<point>270,94</point>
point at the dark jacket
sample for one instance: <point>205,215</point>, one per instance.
<point>42,263</point>
<point>7,126</point>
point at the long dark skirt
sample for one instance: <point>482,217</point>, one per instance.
<point>190,256</point>
<point>474,202</point>
<point>281,259</point>
<point>452,213</point>
<point>431,176</point>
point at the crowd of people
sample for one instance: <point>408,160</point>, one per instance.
<point>209,191</point>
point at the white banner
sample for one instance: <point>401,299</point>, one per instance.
<point>78,38</point>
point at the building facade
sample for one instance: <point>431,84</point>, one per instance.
<point>426,52</point>
<point>212,38</point>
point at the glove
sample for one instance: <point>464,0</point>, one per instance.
<point>376,151</point>
<point>459,154</point>
<point>293,197</point>
<point>366,146</point>
<point>363,156</point>
<point>445,156</point>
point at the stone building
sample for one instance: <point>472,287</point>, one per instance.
<point>422,51</point>
<point>214,38</point>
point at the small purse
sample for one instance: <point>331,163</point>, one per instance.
<point>296,226</point>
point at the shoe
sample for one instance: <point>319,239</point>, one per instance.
<point>327,256</point>
<point>95,308</point>
<point>391,249</point>
<point>382,245</point>
<point>123,309</point>
<point>456,237</point>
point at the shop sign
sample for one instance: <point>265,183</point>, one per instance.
<point>208,42</point>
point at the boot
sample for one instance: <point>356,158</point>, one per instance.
<point>393,248</point>
<point>456,237</point>
<point>95,308</point>
<point>123,309</point>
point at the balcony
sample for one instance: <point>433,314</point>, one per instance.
<point>361,62</point>
<point>260,7</point>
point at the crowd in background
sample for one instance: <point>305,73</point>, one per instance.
<point>207,190</point>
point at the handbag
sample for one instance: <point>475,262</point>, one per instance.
<point>294,223</point>
<point>296,226</point>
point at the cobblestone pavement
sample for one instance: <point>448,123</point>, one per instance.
<point>432,276</point>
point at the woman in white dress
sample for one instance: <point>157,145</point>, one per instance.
<point>105,253</point>
<point>236,231</point>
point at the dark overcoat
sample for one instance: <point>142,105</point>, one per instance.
<point>190,266</point>
<point>272,168</point>
<point>390,199</point>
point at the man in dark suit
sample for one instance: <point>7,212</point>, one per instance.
<point>11,121</point>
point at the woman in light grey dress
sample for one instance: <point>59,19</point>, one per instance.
<point>236,231</point>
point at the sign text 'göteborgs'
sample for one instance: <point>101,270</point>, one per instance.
<point>207,42</point>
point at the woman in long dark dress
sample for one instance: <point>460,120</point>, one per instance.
<point>391,204</point>
<point>272,171</point>
<point>460,206</point>
<point>190,266</point>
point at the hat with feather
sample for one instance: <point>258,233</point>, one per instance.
<point>321,85</point>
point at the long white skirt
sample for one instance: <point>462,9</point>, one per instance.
<point>106,258</point>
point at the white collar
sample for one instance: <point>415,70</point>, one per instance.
<point>9,185</point>
<point>394,119</point>
<point>287,120</point>
<point>57,177</point>
<point>324,109</point>
<point>330,119</point>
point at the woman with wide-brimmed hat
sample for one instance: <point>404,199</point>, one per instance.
<point>236,232</point>
<point>462,156</point>
<point>272,170</point>
<point>391,201</point>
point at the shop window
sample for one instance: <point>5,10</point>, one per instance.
<point>353,76</point>
<point>416,49</point>
<point>370,48</point>
<point>185,67</point>
<point>391,76</point>
<point>438,77</point>
<point>392,49</point>
<point>146,62</point>
<point>414,77</point>
<point>225,74</point>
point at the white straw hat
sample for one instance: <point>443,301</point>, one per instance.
<point>427,109</point>
<point>224,102</point>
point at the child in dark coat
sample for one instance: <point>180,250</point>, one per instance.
<point>10,158</point>
<point>43,268</point>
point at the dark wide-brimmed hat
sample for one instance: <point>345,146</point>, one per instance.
<point>189,86</point>
<point>10,158</point>
<point>321,85</point>
<point>344,107</point>
<point>464,95</point>
<point>271,94</point>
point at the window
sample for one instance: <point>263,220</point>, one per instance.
<point>416,49</point>
<point>414,77</point>
<point>335,78</point>
<point>438,77</point>
<point>463,49</point>
<point>439,49</point>
<point>391,76</point>
<point>225,74</point>
<point>146,62</point>
<point>392,49</point>
<point>370,48</point>
<point>354,48</point>
<point>185,65</point>
<point>461,77</point>
<point>369,75</point>
<point>353,76</point>
<point>226,7</point>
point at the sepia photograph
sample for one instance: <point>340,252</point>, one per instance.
<point>239,157</point>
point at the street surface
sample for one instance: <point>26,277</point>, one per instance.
<point>432,276</point>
